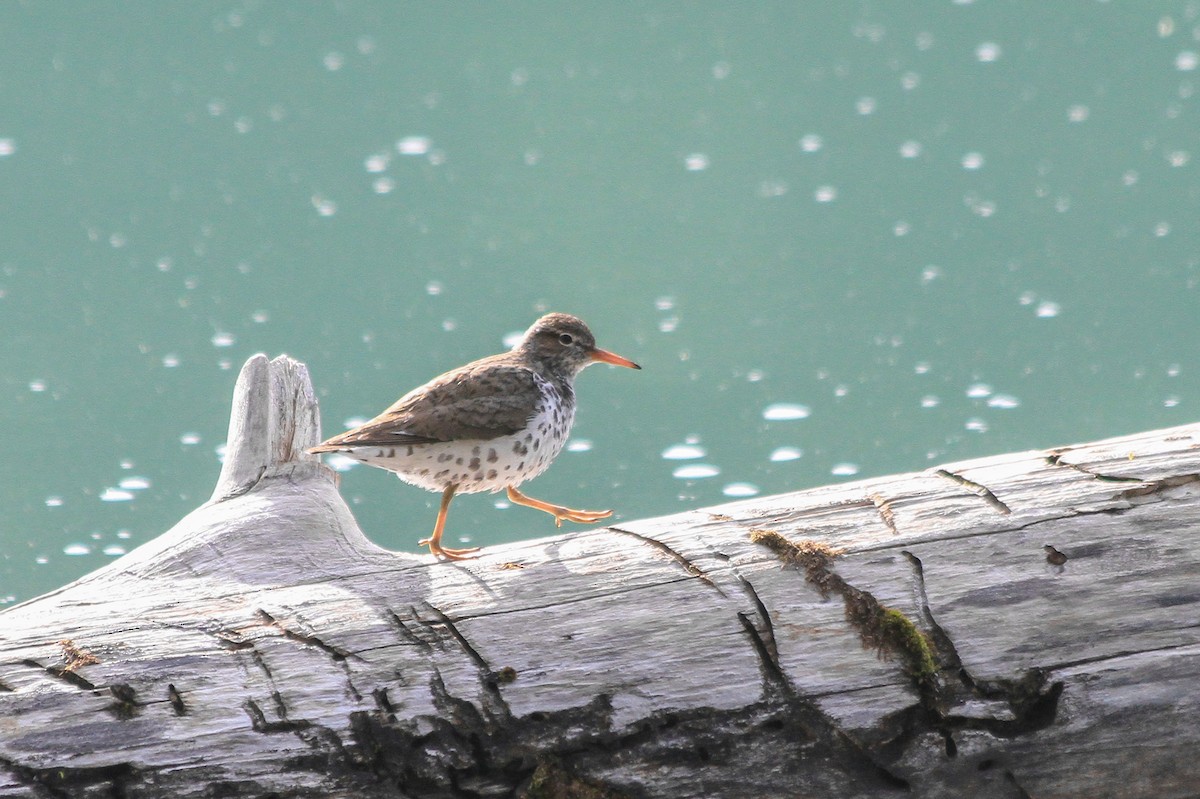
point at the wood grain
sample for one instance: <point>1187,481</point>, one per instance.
<point>264,647</point>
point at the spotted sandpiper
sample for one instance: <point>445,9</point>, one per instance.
<point>486,426</point>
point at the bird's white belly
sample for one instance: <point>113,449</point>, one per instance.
<point>476,465</point>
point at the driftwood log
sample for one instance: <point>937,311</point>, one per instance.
<point>1018,626</point>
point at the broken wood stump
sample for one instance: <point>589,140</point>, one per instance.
<point>1015,626</point>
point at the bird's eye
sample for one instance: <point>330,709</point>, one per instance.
<point>566,338</point>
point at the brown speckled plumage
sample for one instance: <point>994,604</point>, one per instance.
<point>491,424</point>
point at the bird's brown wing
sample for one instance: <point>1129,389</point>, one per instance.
<point>469,403</point>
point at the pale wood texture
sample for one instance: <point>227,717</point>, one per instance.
<point>264,647</point>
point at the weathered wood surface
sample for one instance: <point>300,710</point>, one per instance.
<point>264,647</point>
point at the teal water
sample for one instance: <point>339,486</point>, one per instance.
<point>843,240</point>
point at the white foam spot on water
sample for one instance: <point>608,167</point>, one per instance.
<point>54,502</point>
<point>696,162</point>
<point>134,483</point>
<point>976,425</point>
<point>683,452</point>
<point>972,161</point>
<point>1171,401</point>
<point>696,471</point>
<point>77,549</point>
<point>333,61</point>
<point>930,401</point>
<point>781,454</point>
<point>7,147</point>
<point>785,412</point>
<point>222,339</point>
<point>579,445</point>
<point>1187,60</point>
<point>811,142</point>
<point>844,469</point>
<point>384,185</point>
<point>987,52</point>
<point>324,205</point>
<point>37,386</point>
<point>740,490</point>
<point>1047,309</point>
<point>189,439</point>
<point>116,495</point>
<point>1004,402</point>
<point>825,194</point>
<point>413,145</point>
<point>910,149</point>
<point>979,390</point>
<point>377,162</point>
<point>114,550</point>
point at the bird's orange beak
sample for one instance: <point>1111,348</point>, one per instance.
<point>611,357</point>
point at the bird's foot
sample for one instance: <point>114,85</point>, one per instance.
<point>446,553</point>
<point>559,512</point>
<point>579,516</point>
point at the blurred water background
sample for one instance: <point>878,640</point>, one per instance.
<point>843,239</point>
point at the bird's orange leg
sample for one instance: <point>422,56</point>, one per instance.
<point>434,542</point>
<point>558,511</point>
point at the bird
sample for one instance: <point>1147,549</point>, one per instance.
<point>487,426</point>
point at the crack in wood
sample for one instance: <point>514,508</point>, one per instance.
<point>884,506</point>
<point>457,635</point>
<point>407,634</point>
<point>978,489</point>
<point>336,654</point>
<point>61,673</point>
<point>559,602</point>
<point>176,699</point>
<point>384,704</point>
<point>688,566</point>
<point>767,635</point>
<point>1032,702</point>
<point>1055,458</point>
<point>259,723</point>
<point>1144,487</point>
<point>489,679</point>
<point>947,652</point>
<point>775,682</point>
<point>261,662</point>
<point>1070,664</point>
